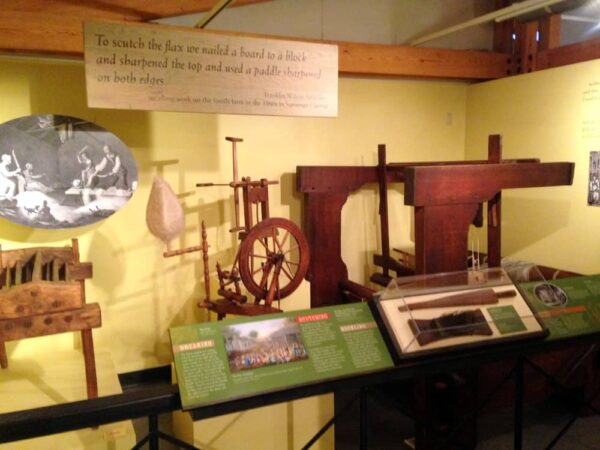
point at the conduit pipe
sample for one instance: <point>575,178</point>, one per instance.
<point>499,15</point>
<point>210,15</point>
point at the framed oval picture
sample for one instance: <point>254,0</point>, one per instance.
<point>62,172</point>
<point>550,295</point>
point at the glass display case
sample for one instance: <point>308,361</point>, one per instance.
<point>425,314</point>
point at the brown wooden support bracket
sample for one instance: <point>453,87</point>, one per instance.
<point>526,46</point>
<point>535,45</point>
<point>549,28</point>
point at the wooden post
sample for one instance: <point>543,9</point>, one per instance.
<point>264,199</point>
<point>327,269</point>
<point>494,235</point>
<point>206,269</point>
<point>236,195</point>
<point>87,341</point>
<point>549,32</point>
<point>526,46</point>
<point>248,220</point>
<point>441,237</point>
<point>90,363</point>
<point>3,356</point>
<point>383,209</point>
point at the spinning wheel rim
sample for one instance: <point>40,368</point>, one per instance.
<point>267,229</point>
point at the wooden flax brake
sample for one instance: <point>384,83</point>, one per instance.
<point>42,292</point>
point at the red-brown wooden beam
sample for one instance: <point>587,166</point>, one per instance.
<point>401,60</point>
<point>569,54</point>
<point>549,32</point>
<point>526,48</point>
<point>494,208</point>
<point>446,200</point>
<point>441,185</point>
<point>56,28</point>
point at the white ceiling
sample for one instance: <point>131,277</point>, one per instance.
<point>390,21</point>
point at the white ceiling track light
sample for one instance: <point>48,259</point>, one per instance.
<point>500,15</point>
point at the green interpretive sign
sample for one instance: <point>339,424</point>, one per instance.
<point>223,360</point>
<point>506,319</point>
<point>567,306</point>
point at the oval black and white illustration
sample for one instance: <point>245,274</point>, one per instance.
<point>550,295</point>
<point>62,172</point>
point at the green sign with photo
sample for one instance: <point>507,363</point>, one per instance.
<point>217,361</point>
<point>567,306</point>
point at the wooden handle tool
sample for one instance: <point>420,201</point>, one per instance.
<point>485,296</point>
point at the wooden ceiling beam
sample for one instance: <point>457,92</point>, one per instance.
<point>58,33</point>
<point>56,27</point>
<point>401,60</point>
<point>569,54</point>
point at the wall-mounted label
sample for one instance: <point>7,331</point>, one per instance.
<point>590,104</point>
<point>62,172</point>
<point>152,67</point>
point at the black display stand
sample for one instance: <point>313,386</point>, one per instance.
<point>152,400</point>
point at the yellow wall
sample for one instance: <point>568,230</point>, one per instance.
<point>140,293</point>
<point>543,115</point>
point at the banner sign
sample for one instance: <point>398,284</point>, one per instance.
<point>227,359</point>
<point>152,67</point>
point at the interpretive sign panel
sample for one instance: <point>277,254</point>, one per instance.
<point>223,360</point>
<point>152,67</point>
<point>567,306</point>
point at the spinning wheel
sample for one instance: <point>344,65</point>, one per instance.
<point>273,259</point>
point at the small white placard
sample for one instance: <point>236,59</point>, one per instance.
<point>153,67</point>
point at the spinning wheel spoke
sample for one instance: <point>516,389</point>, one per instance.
<point>281,244</point>
<point>289,250</point>
<point>288,265</point>
<point>256,255</point>
<point>264,243</point>
<point>284,252</point>
<point>288,274</point>
<point>292,263</point>
<point>257,271</point>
